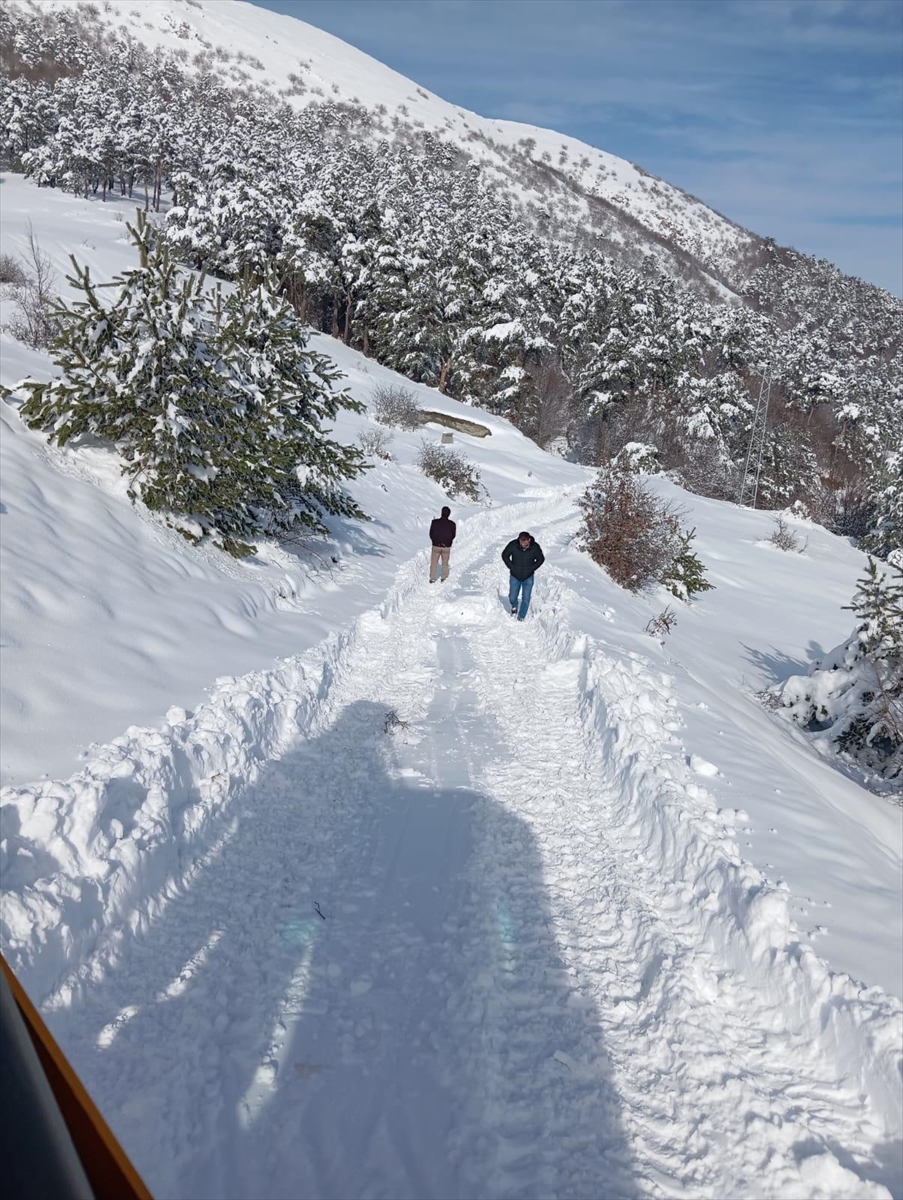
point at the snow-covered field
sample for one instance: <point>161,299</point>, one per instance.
<point>584,920</point>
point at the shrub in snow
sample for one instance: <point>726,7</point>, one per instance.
<point>11,270</point>
<point>396,406</point>
<point>661,626</point>
<point>214,402</point>
<point>637,537</point>
<point>628,530</point>
<point>35,320</point>
<point>375,443</point>
<point>853,698</point>
<point>786,538</point>
<point>451,471</point>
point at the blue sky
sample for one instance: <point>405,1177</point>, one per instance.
<point>785,115</point>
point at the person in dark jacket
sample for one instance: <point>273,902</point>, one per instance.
<point>522,557</point>
<point>442,534</point>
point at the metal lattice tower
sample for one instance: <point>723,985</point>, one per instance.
<point>753,466</point>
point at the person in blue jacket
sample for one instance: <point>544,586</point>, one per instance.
<point>522,557</point>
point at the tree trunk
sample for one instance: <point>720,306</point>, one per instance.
<point>602,446</point>
<point>443,375</point>
<point>349,306</point>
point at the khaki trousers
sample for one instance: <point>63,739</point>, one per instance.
<point>439,554</point>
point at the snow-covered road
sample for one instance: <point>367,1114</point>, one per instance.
<point>504,948</point>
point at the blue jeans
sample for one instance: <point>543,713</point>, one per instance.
<point>522,588</point>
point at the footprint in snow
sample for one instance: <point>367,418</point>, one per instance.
<point>305,1069</point>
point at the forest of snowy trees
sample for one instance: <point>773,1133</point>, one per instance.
<point>394,241</point>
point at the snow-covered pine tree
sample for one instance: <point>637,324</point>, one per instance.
<point>139,373</point>
<point>853,698</point>
<point>876,732</point>
<point>886,536</point>
<point>285,473</point>
<point>789,468</point>
<point>27,118</point>
<point>685,577</point>
<point>215,404</point>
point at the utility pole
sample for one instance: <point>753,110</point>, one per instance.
<point>752,468</point>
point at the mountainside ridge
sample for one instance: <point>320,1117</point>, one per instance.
<point>534,276</point>
<point>316,65</point>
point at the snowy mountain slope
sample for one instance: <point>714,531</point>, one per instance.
<point>136,579</point>
<point>566,182</point>
<point>591,919</point>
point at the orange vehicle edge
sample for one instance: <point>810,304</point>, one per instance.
<point>107,1166</point>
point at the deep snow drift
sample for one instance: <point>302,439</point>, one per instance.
<point>580,918</point>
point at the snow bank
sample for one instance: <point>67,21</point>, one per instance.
<point>133,826</point>
<point>675,831</point>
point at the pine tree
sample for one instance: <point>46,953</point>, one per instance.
<point>874,730</point>
<point>215,405</point>
<point>685,576</point>
<point>886,536</point>
<point>853,698</point>
<point>139,372</point>
<point>789,468</point>
<point>287,474</point>
<point>878,603</point>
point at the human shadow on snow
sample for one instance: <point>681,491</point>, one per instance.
<point>348,1002</point>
